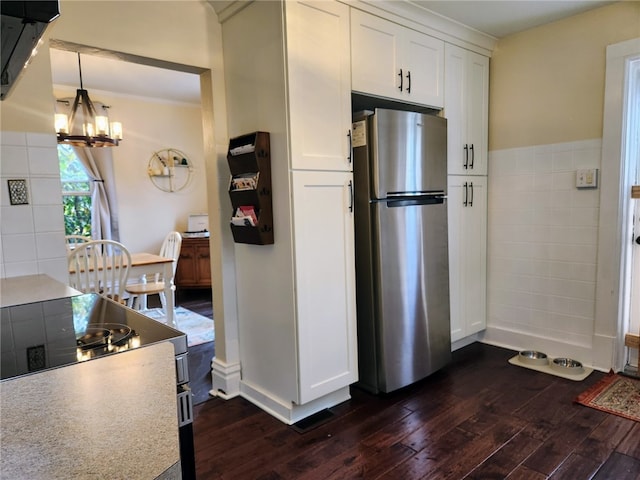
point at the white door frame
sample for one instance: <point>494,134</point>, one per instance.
<point>613,273</point>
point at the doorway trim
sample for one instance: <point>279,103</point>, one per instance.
<point>612,282</point>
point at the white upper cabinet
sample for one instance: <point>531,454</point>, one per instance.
<point>466,107</point>
<point>392,61</point>
<point>319,83</point>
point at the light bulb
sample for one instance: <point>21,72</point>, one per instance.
<point>116,130</point>
<point>61,123</point>
<point>102,125</point>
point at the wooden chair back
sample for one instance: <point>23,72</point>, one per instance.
<point>100,266</point>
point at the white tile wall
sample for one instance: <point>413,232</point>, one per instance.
<point>31,236</point>
<point>542,242</point>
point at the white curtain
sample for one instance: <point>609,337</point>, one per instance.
<point>104,204</point>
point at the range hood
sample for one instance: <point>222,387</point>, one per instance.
<point>23,23</point>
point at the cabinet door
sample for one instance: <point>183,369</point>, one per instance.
<point>424,69</point>
<point>375,46</point>
<point>203,264</point>
<point>467,214</point>
<point>319,83</point>
<point>392,61</point>
<point>477,84</point>
<point>186,268</point>
<point>466,109</point>
<point>325,282</point>
<point>455,98</point>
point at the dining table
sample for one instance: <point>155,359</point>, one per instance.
<point>143,264</point>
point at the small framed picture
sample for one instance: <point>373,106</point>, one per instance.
<point>18,194</point>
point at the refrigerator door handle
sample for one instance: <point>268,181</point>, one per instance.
<point>409,201</point>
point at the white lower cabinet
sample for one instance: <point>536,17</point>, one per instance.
<point>467,215</point>
<point>325,282</point>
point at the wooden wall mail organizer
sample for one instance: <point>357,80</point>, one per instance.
<point>249,160</point>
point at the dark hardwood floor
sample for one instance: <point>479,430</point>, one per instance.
<point>199,357</point>
<point>480,418</point>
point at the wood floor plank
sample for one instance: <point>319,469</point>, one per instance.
<point>506,459</point>
<point>466,457</point>
<point>564,439</point>
<point>604,439</point>
<point>576,467</point>
<point>630,445</point>
<point>525,473</point>
<point>619,467</point>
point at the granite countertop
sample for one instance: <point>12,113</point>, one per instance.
<point>32,288</point>
<point>109,418</point>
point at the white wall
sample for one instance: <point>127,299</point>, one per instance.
<point>145,213</point>
<point>542,245</point>
<point>545,121</point>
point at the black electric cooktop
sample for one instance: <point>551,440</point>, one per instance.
<point>53,333</point>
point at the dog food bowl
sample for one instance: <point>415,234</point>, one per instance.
<point>531,357</point>
<point>567,365</point>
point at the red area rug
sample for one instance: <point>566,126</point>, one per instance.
<point>615,394</point>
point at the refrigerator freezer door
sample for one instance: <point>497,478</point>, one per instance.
<point>409,153</point>
<point>412,293</point>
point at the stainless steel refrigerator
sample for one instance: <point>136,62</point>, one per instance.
<point>402,261</point>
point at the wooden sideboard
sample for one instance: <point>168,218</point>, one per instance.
<point>194,270</point>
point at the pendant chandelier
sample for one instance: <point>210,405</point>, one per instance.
<point>84,127</point>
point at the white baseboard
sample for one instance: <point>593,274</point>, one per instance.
<point>554,348</point>
<point>288,412</point>
<point>225,379</point>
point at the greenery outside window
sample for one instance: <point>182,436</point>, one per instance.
<point>77,189</point>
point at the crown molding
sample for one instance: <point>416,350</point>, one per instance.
<point>413,16</point>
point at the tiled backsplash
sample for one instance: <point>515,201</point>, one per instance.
<point>542,242</point>
<point>31,235</point>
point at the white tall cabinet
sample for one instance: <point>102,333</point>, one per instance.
<point>467,212</point>
<point>466,110</point>
<point>287,71</point>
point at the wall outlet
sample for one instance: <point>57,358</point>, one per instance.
<point>587,178</point>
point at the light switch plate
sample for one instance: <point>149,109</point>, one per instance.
<point>587,178</point>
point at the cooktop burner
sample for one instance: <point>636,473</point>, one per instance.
<point>53,333</point>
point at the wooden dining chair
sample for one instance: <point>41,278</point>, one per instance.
<point>72,241</point>
<point>100,266</point>
<point>138,292</point>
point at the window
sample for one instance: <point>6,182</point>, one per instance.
<point>76,192</point>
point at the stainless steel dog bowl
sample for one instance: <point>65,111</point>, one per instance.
<point>567,365</point>
<point>531,357</point>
